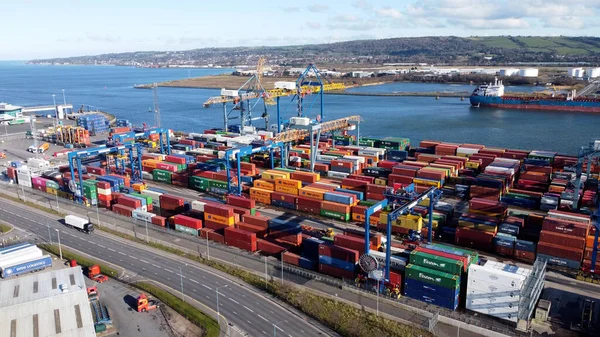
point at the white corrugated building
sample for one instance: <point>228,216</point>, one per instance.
<point>592,72</point>
<point>529,72</point>
<point>509,72</point>
<point>52,303</point>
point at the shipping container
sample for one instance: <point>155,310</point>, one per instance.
<point>431,276</point>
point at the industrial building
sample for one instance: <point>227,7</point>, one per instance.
<point>52,303</point>
<point>9,112</point>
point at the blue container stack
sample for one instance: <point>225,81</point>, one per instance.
<point>123,123</point>
<point>96,123</point>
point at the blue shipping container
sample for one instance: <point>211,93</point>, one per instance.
<point>431,289</point>
<point>13,248</point>
<point>310,248</point>
<point>557,261</point>
<point>359,195</point>
<point>283,204</point>
<point>526,246</point>
<point>331,261</point>
<point>25,267</point>
<point>509,229</point>
<point>307,264</point>
<point>504,242</point>
<point>444,302</point>
<point>342,199</point>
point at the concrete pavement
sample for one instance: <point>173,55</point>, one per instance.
<point>244,308</point>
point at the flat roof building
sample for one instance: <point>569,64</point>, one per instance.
<point>52,303</point>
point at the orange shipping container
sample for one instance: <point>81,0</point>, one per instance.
<point>312,193</point>
<point>228,221</point>
<point>288,182</point>
<point>255,191</point>
<point>265,185</point>
<point>150,163</point>
<point>264,200</point>
<point>307,177</point>
<point>335,207</point>
<point>286,189</point>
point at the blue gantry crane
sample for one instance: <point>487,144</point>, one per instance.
<point>432,193</point>
<point>238,153</point>
<point>164,145</point>
<point>75,157</point>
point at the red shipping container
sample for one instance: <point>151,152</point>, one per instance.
<point>304,177</point>
<point>372,188</point>
<point>256,220</point>
<point>167,167</point>
<point>240,239</point>
<point>95,170</point>
<point>220,210</point>
<point>174,159</point>
<point>515,221</point>
<point>213,235</point>
<point>487,205</point>
<point>560,251</point>
<point>187,221</point>
<point>269,248</point>
<point>464,259</point>
<point>240,210</point>
<point>505,251</point>
<point>374,196</point>
<point>353,182</point>
<point>122,210</point>
<point>336,272</point>
<point>387,164</point>
<point>129,202</point>
<point>335,207</point>
<point>291,258</point>
<point>565,240</point>
<point>350,242</point>
<point>374,238</point>
<point>308,202</point>
<point>260,231</point>
<point>525,256</point>
<point>171,200</point>
<point>367,179</point>
<point>284,197</point>
<point>294,239</point>
<point>565,227</point>
<point>340,253</point>
<point>159,220</point>
<point>587,254</point>
<point>587,266</point>
<point>395,279</point>
<point>214,225</point>
<point>241,201</point>
<point>473,238</point>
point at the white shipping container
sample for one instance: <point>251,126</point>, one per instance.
<point>493,299</point>
<point>104,191</point>
<point>466,151</point>
<point>142,215</point>
<point>496,276</point>
<point>154,195</point>
<point>597,145</point>
<point>147,176</point>
<point>302,121</point>
<point>24,179</point>
<point>358,158</point>
<point>506,313</point>
<point>339,175</point>
<point>198,205</point>
<point>143,208</point>
<point>25,255</point>
<point>249,129</point>
<point>568,217</point>
<point>267,134</point>
<point>221,154</point>
<point>478,288</point>
<point>285,85</point>
<point>325,157</point>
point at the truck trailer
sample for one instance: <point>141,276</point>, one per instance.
<point>26,266</point>
<point>81,224</point>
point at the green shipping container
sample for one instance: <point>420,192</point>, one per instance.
<point>440,263</point>
<point>161,175</point>
<point>253,211</point>
<point>473,254</point>
<point>431,276</point>
<point>52,184</point>
<point>367,203</point>
<point>283,169</point>
<point>146,197</point>
<point>335,215</point>
<point>187,230</point>
<point>217,184</point>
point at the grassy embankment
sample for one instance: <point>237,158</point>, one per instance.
<point>197,317</point>
<point>4,228</point>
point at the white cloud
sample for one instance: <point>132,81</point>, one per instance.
<point>510,23</point>
<point>362,26</point>
<point>317,8</point>
<point>568,22</point>
<point>313,25</point>
<point>390,13</point>
<point>345,18</point>
<point>362,4</point>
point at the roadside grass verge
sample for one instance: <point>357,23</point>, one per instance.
<point>33,205</point>
<point>4,228</point>
<point>209,325</point>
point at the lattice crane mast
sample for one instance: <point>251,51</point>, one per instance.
<point>328,126</point>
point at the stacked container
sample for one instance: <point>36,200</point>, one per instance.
<point>337,261</point>
<point>563,238</point>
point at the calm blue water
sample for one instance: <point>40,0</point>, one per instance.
<point>418,118</point>
<point>432,87</point>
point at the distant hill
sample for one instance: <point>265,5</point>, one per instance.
<point>436,49</point>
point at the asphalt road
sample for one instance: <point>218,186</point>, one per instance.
<point>242,307</point>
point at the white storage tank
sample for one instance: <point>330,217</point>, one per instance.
<point>593,72</point>
<point>572,72</point>
<point>529,72</point>
<point>509,72</point>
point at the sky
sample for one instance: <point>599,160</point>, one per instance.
<point>61,28</point>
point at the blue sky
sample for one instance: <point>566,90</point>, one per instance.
<point>57,28</point>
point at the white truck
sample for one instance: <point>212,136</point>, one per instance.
<point>81,224</point>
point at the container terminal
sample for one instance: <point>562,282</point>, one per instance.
<point>417,216</point>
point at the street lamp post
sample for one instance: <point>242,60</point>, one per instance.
<point>281,267</point>
<point>218,309</point>
<point>181,276</point>
<point>275,327</point>
<point>147,236</point>
<point>207,249</point>
<point>64,98</point>
<point>55,110</point>
<point>57,205</point>
<point>49,235</point>
<point>59,246</point>
<point>377,297</point>
<point>97,214</point>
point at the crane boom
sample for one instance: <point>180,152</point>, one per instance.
<point>297,134</point>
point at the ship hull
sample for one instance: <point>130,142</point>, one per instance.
<point>590,105</point>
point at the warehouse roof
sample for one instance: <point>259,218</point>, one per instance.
<point>52,302</point>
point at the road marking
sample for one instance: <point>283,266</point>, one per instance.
<point>194,281</point>
<point>235,313</point>
<point>264,332</point>
<point>168,279</point>
<point>120,260</point>
<point>71,235</point>
<point>289,335</point>
<point>155,273</point>
<point>248,322</point>
<point>207,287</point>
<point>133,257</point>
<point>167,270</point>
<point>101,246</point>
<point>155,265</point>
<point>207,297</point>
<point>122,253</point>
<point>112,250</point>
<point>194,290</point>
<point>144,261</point>
<point>248,309</point>
<point>234,301</point>
<point>263,318</point>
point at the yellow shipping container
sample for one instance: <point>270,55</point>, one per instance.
<point>381,181</point>
<point>260,192</point>
<point>151,163</point>
<point>265,185</point>
<point>383,217</point>
<point>138,187</point>
<point>472,164</point>
<point>312,193</point>
<point>424,202</point>
<point>288,182</point>
<point>486,213</point>
<point>219,219</point>
<point>414,222</point>
<point>286,189</point>
<point>264,200</point>
<point>424,182</point>
<point>272,174</point>
<point>51,190</point>
<point>299,149</point>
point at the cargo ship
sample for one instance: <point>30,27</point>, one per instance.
<point>492,95</point>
